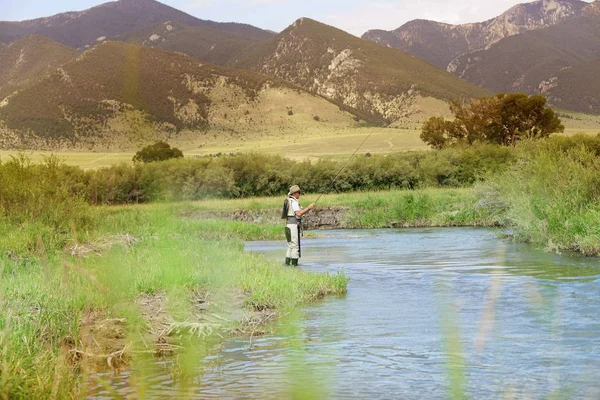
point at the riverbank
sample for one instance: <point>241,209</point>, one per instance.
<point>370,210</point>
<point>143,282</point>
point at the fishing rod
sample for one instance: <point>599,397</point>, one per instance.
<point>345,165</point>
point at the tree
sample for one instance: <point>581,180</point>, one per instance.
<point>158,151</point>
<point>502,119</point>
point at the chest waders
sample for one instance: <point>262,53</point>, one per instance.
<point>293,233</point>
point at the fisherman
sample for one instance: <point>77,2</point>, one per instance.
<point>293,213</point>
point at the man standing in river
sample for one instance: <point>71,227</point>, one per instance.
<point>293,213</point>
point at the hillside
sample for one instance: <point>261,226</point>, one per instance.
<point>28,59</point>
<point>383,84</point>
<point>524,62</point>
<point>204,43</point>
<point>441,43</point>
<point>106,21</point>
<point>118,96</point>
<point>576,88</point>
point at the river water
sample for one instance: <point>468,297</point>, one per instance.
<point>429,313</point>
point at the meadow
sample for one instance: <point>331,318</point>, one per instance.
<point>305,141</point>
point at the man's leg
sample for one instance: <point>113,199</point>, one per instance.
<point>288,238</point>
<point>294,244</point>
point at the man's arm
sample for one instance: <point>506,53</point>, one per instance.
<point>300,213</point>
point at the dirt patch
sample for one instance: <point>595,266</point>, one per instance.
<point>101,245</point>
<point>321,218</point>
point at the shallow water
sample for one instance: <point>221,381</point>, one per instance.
<point>427,311</point>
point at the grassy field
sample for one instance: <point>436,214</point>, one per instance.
<point>307,144</point>
<point>305,140</point>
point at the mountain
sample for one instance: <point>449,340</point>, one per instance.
<point>204,43</point>
<point>576,88</point>
<point>523,62</point>
<point>383,84</point>
<point>441,44</point>
<point>106,21</point>
<point>118,96</point>
<point>28,59</point>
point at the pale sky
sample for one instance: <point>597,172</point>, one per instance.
<point>354,16</point>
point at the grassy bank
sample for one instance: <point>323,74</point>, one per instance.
<point>67,310</point>
<point>368,210</point>
<point>551,197</point>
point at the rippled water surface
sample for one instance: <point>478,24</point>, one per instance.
<point>427,311</point>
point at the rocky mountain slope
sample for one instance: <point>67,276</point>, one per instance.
<point>106,21</point>
<point>524,62</point>
<point>204,43</point>
<point>29,59</point>
<point>117,95</point>
<point>441,44</point>
<point>383,84</point>
<point>576,88</point>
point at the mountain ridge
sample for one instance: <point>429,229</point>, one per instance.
<point>380,82</point>
<point>441,43</point>
<point>78,29</point>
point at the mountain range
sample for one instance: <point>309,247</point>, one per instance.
<point>523,50</point>
<point>118,95</point>
<point>129,71</point>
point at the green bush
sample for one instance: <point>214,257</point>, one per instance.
<point>45,200</point>
<point>159,151</point>
<point>241,176</point>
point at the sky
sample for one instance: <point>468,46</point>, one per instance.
<point>354,16</point>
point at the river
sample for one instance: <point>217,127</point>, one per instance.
<point>429,313</point>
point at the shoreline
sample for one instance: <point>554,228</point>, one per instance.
<point>330,218</point>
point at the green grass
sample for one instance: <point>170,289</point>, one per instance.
<point>551,198</point>
<point>45,295</point>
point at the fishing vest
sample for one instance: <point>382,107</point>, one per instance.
<point>288,211</point>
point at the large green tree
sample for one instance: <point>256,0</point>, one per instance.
<point>502,119</point>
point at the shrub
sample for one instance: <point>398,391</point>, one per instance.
<point>159,151</point>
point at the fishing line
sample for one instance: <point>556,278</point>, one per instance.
<point>345,165</point>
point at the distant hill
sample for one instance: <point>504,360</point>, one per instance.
<point>576,88</point>
<point>383,84</point>
<point>118,96</point>
<point>441,44</point>
<point>106,21</point>
<point>204,43</point>
<point>29,59</point>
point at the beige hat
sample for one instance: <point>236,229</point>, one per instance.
<point>294,189</point>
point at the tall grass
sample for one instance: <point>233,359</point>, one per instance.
<point>46,295</point>
<point>419,208</point>
<point>551,196</point>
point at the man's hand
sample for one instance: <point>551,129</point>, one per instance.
<point>311,206</point>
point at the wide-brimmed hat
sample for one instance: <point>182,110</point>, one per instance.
<point>294,189</point>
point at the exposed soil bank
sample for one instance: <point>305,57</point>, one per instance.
<point>320,218</point>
